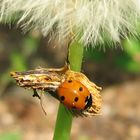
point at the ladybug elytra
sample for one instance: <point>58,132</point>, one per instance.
<point>74,95</point>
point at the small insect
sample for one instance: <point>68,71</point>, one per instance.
<point>73,89</point>
<point>74,95</point>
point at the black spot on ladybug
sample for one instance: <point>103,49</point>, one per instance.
<point>88,101</point>
<point>80,89</point>
<point>62,98</point>
<point>76,99</point>
<point>69,81</point>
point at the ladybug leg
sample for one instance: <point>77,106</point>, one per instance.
<point>40,98</point>
<point>36,94</point>
<point>41,103</point>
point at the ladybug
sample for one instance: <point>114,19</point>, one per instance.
<point>74,95</point>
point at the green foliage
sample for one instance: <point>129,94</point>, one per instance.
<point>17,61</point>
<point>10,136</point>
<point>18,58</point>
<point>129,59</point>
<point>30,44</point>
<point>131,46</point>
<point>94,55</point>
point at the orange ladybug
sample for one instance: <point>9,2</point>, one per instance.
<point>74,95</point>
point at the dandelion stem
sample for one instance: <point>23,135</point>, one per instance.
<point>64,117</point>
<point>75,55</point>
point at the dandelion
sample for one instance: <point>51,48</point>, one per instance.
<point>90,21</point>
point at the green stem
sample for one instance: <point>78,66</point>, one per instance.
<point>75,55</point>
<point>64,117</point>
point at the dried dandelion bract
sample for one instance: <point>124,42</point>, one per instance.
<point>51,79</point>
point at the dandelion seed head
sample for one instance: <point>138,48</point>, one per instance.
<point>90,21</point>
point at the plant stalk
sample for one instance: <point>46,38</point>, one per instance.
<point>64,117</point>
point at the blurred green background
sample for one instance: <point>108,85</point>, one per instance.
<point>115,68</point>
